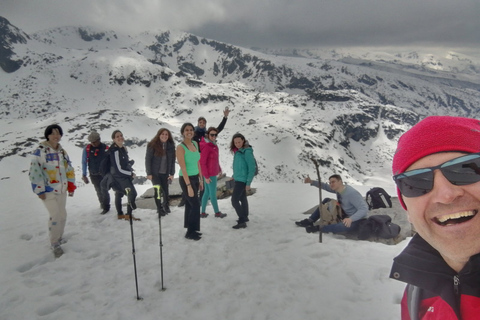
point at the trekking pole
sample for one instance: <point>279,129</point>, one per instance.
<point>127,192</point>
<point>158,189</point>
<point>320,196</point>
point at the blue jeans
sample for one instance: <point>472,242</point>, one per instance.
<point>335,228</point>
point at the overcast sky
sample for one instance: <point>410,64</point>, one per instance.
<point>268,23</point>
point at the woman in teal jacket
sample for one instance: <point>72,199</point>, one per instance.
<point>243,173</point>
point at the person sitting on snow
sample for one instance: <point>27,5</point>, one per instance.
<point>351,201</point>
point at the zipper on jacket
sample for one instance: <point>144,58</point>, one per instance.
<point>456,285</point>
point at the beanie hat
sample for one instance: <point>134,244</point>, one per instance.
<point>432,135</point>
<point>94,136</point>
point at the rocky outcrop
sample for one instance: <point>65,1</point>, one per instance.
<point>10,35</point>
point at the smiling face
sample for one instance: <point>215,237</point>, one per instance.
<point>447,217</point>
<point>118,139</point>
<point>55,137</point>
<point>188,132</point>
<point>212,135</point>
<point>164,136</point>
<point>202,123</point>
<point>238,142</point>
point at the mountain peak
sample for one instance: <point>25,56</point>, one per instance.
<point>9,36</point>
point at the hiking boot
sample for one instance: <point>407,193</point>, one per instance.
<point>203,215</point>
<point>304,223</point>
<point>162,214</point>
<point>312,229</point>
<point>105,211</point>
<point>127,217</point>
<point>57,250</point>
<point>166,208</point>
<point>240,225</point>
<point>220,215</point>
<point>192,236</point>
<point>182,202</point>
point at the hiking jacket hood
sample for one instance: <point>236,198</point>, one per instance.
<point>436,291</point>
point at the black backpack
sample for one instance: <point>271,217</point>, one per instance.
<point>105,164</point>
<point>378,198</point>
<point>379,226</point>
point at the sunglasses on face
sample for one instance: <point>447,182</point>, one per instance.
<point>460,171</point>
<point>213,134</point>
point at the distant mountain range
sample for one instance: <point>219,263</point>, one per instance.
<point>346,108</point>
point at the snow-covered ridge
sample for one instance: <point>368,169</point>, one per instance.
<point>347,114</point>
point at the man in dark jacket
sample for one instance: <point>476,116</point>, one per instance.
<point>201,128</point>
<point>92,156</point>
<point>437,172</point>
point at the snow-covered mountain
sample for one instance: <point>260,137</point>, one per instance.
<point>346,109</point>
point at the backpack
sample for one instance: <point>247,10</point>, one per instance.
<point>105,164</point>
<point>379,226</point>
<point>331,212</point>
<point>256,166</point>
<point>378,198</point>
<point>94,163</point>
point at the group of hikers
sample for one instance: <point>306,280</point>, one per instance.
<point>436,169</point>
<point>109,167</point>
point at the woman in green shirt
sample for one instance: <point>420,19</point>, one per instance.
<point>190,179</point>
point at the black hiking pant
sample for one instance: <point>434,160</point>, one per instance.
<point>239,201</point>
<point>162,181</point>
<point>191,218</point>
<point>103,198</point>
<point>119,185</point>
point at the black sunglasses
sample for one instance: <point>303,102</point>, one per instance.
<point>460,171</point>
<point>213,134</point>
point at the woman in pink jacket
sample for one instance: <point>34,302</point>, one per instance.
<point>209,162</point>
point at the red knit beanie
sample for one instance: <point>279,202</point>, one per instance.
<point>435,134</point>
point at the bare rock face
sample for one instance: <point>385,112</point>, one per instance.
<point>9,36</point>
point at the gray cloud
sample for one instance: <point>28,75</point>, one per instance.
<point>279,23</point>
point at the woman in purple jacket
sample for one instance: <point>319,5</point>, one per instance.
<point>209,162</point>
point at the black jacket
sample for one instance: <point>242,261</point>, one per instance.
<point>152,162</point>
<point>200,133</point>
<point>434,287</point>
<point>120,166</point>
